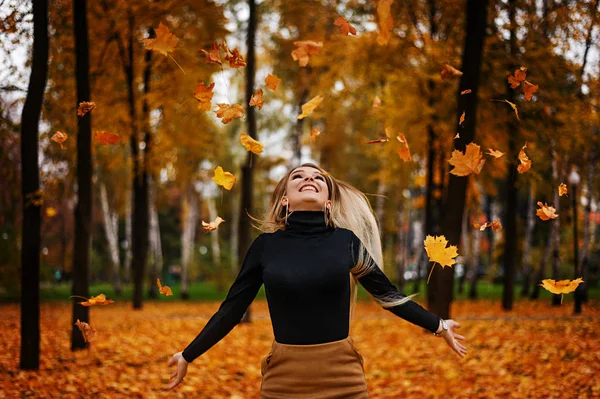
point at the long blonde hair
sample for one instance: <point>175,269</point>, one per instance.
<point>350,209</point>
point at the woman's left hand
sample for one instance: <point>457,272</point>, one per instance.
<point>452,338</point>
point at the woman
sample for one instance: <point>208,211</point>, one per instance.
<point>319,238</point>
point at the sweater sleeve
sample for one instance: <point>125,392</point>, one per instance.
<point>378,285</point>
<point>240,296</point>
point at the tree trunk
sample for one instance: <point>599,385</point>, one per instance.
<point>526,259</point>
<point>247,171</point>
<point>475,265</point>
<point>581,291</point>
<point>30,184</point>
<point>467,255</point>
<point>400,254</point>
<point>214,243</point>
<point>189,220</point>
<point>234,230</point>
<point>112,237</point>
<point>155,250</point>
<point>556,175</point>
<point>83,209</point>
<point>535,293</point>
<point>442,281</point>
<point>128,234</point>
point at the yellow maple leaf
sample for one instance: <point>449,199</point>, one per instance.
<point>448,71</point>
<point>513,106</point>
<point>256,100</point>
<point>222,178</point>
<point>85,107</point>
<point>94,300</point>
<point>525,162</point>
<point>469,162</point>
<point>164,42</point>
<point>310,106</point>
<point>212,226</point>
<point>385,21</point>
<point>204,95</point>
<point>250,144</point>
<point>164,289</point>
<point>561,287</point>
<point>562,189</point>
<point>438,252</point>
<point>272,82</point>
<point>314,133</point>
<point>228,112</point>
<point>305,49</point>
<point>495,153</point>
<point>546,212</point>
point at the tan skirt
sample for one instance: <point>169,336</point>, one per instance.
<point>333,370</point>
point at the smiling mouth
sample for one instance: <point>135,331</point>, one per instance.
<point>308,188</point>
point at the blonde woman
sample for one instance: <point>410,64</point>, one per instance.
<point>319,238</point>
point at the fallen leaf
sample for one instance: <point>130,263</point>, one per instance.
<point>59,137</point>
<point>164,289</point>
<point>449,71</point>
<point>306,48</point>
<point>514,106</point>
<point>517,78</point>
<point>404,151</point>
<point>235,58</point>
<point>212,56</point>
<point>88,332</point>
<point>561,287</point>
<point>310,106</point>
<point>546,212</point>
<point>462,119</point>
<point>204,95</point>
<point>562,189</point>
<point>107,138</point>
<point>469,162</point>
<point>529,89</point>
<point>272,82</point>
<point>85,107</point>
<point>495,153</point>
<point>222,178</point>
<point>256,100</point>
<point>525,164</point>
<point>385,21</point>
<point>250,144</point>
<point>164,42</point>
<point>212,226</point>
<point>438,252</point>
<point>495,225</point>
<point>462,93</point>
<point>345,27</point>
<point>314,132</point>
<point>96,300</point>
<point>229,112</point>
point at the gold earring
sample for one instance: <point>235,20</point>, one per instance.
<point>327,212</point>
<point>287,208</point>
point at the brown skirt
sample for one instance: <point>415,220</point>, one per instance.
<point>333,370</point>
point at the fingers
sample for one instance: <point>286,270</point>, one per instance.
<point>173,375</point>
<point>175,383</point>
<point>458,336</point>
<point>172,361</point>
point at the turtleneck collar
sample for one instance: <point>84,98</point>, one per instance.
<point>306,222</point>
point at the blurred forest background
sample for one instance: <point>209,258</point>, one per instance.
<point>112,217</point>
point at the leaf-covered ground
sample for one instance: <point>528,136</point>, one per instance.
<point>535,351</point>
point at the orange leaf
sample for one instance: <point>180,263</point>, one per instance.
<point>204,95</point>
<point>212,56</point>
<point>462,119</point>
<point>250,144</point>
<point>272,82</point>
<point>306,48</point>
<point>164,289</point>
<point>225,179</point>
<point>212,226</point>
<point>562,189</point>
<point>465,92</point>
<point>164,42</point>
<point>107,138</point>
<point>314,132</point>
<point>85,107</point>
<point>97,300</point>
<point>495,225</point>
<point>256,100</point>
<point>438,252</point>
<point>562,286</point>
<point>88,332</point>
<point>525,164</point>
<point>59,137</point>
<point>310,106</point>
<point>229,112</point>
<point>519,76</point>
<point>50,212</point>
<point>404,152</point>
<point>449,71</point>
<point>529,89</point>
<point>378,141</point>
<point>235,59</point>
<point>345,27</point>
<point>384,21</point>
<point>546,212</point>
<point>469,162</point>
<point>495,153</point>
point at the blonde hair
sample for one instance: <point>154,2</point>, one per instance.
<point>350,209</point>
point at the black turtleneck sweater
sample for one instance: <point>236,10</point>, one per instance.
<point>305,269</point>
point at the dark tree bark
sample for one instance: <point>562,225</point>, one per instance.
<point>442,280</point>
<point>246,203</point>
<point>83,209</point>
<point>31,233</point>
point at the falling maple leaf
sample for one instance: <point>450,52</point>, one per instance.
<point>529,89</point>
<point>164,289</point>
<point>50,212</point>
<point>462,93</point>
<point>546,212</point>
<point>345,26</point>
<point>495,153</point>
<point>212,226</point>
<point>525,164</point>
<point>204,95</point>
<point>385,21</point>
<point>107,138</point>
<point>561,287</point>
<point>314,132</point>
<point>212,56</point>
<point>461,119</point>
<point>310,106</point>
<point>495,225</point>
<point>469,162</point>
<point>513,106</point>
<point>404,151</point>
<point>222,178</point>
<point>88,332</point>
<point>235,58</point>
<point>85,107</point>
<point>164,42</point>
<point>94,300</point>
<point>519,76</point>
<point>438,252</point>
<point>448,71</point>
<point>229,112</point>
<point>376,102</point>
<point>256,100</point>
<point>272,82</point>
<point>562,189</point>
<point>306,48</point>
<point>59,137</point>
<point>250,144</point>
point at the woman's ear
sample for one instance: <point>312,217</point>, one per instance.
<point>284,201</point>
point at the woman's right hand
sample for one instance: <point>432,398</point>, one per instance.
<point>181,370</point>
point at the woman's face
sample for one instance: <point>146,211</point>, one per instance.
<point>306,189</point>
